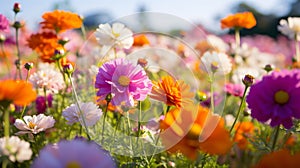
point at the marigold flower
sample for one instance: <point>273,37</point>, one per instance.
<point>171,91</point>
<point>18,92</point>
<point>239,20</point>
<point>192,131</point>
<point>140,40</point>
<point>60,21</point>
<point>244,130</point>
<point>279,159</point>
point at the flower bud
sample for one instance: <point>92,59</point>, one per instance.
<point>17,8</point>
<point>18,63</point>
<point>17,25</point>
<point>248,80</point>
<point>63,41</point>
<point>68,68</point>
<point>214,67</point>
<point>2,38</point>
<point>59,53</point>
<point>142,62</point>
<point>201,96</point>
<point>28,65</point>
<point>268,68</point>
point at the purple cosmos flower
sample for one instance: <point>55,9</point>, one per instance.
<point>41,103</point>
<point>75,153</point>
<point>276,98</point>
<point>125,81</point>
<point>4,24</point>
<point>234,89</point>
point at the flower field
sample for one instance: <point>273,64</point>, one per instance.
<point>119,96</point>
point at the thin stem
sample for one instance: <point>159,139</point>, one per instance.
<point>240,109</point>
<point>18,53</point>
<point>212,101</point>
<point>5,163</point>
<point>104,118</point>
<point>83,32</point>
<point>46,100</point>
<point>6,59</point>
<point>237,38</point>
<point>77,103</point>
<point>22,113</point>
<point>6,122</point>
<point>275,138</point>
<point>297,48</point>
<point>139,122</point>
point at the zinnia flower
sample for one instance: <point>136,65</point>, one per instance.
<point>290,27</point>
<point>75,153</point>
<point>18,92</point>
<point>15,148</point>
<point>171,92</point>
<point>216,62</point>
<point>91,113</point>
<point>279,159</point>
<point>34,124</point>
<point>239,20</point>
<point>125,81</point>
<point>48,78</point>
<point>244,131</point>
<point>116,35</point>
<point>234,89</point>
<point>187,131</point>
<point>276,98</point>
<point>60,21</point>
<point>4,24</point>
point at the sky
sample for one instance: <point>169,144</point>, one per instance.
<point>194,11</point>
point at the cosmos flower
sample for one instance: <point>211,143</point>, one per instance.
<point>34,124</point>
<point>60,21</point>
<point>4,24</point>
<point>18,92</point>
<point>275,98</point>
<point>290,27</point>
<point>216,62</point>
<point>125,81</point>
<point>40,103</point>
<point>15,148</point>
<point>74,153</point>
<point>171,91</point>
<point>234,89</point>
<point>116,35</point>
<point>90,111</point>
<point>239,20</point>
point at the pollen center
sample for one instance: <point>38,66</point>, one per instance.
<point>195,131</point>
<point>31,125</point>
<point>73,164</point>
<point>281,97</point>
<point>123,80</point>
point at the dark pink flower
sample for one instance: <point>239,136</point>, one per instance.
<point>234,89</point>
<point>276,98</point>
<point>4,24</point>
<point>41,103</point>
<point>124,81</point>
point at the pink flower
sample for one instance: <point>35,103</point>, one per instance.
<point>124,81</point>
<point>4,24</point>
<point>234,89</point>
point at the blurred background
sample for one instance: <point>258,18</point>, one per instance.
<point>205,13</point>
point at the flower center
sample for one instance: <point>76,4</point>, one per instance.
<point>195,131</point>
<point>73,164</point>
<point>281,97</point>
<point>124,80</point>
<point>116,34</point>
<point>214,66</point>
<point>31,125</point>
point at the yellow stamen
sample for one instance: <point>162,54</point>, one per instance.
<point>73,164</point>
<point>281,97</point>
<point>124,80</point>
<point>31,125</point>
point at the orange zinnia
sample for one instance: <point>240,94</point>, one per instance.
<point>171,92</point>
<point>279,159</point>
<point>17,92</point>
<point>239,20</point>
<point>244,131</point>
<point>60,21</point>
<point>44,44</point>
<point>187,131</point>
<point>140,40</point>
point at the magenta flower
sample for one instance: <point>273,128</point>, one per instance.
<point>276,98</point>
<point>234,89</point>
<point>40,103</point>
<point>4,24</point>
<point>124,81</point>
<point>75,153</point>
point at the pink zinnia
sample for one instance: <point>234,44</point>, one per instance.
<point>124,81</point>
<point>4,24</point>
<point>234,89</point>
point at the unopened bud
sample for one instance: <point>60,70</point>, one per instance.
<point>63,41</point>
<point>142,62</point>
<point>248,80</point>
<point>268,68</point>
<point>201,96</point>
<point>17,25</point>
<point>59,53</point>
<point>28,65</point>
<point>2,38</point>
<point>68,68</point>
<point>17,8</point>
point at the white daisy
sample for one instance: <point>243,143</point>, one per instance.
<point>216,61</point>
<point>34,124</point>
<point>290,27</point>
<point>15,148</point>
<point>90,111</point>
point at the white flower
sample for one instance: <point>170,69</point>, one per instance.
<point>217,43</point>
<point>116,35</point>
<point>290,27</point>
<point>90,111</point>
<point>15,148</point>
<point>34,124</point>
<point>48,78</point>
<point>216,61</point>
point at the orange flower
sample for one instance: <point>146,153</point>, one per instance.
<point>44,44</point>
<point>244,131</point>
<point>239,20</point>
<point>187,131</point>
<point>279,159</point>
<point>18,92</point>
<point>171,92</point>
<point>60,21</point>
<point>141,40</point>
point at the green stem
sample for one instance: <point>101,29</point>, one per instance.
<point>139,122</point>
<point>77,103</point>
<point>6,122</point>
<point>18,53</point>
<point>212,101</point>
<point>237,38</point>
<point>5,163</point>
<point>297,48</point>
<point>240,108</point>
<point>103,125</point>
<point>275,138</point>
<point>46,101</point>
